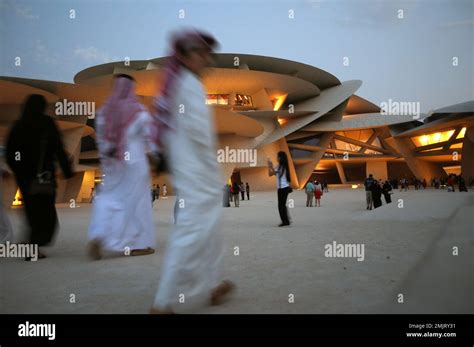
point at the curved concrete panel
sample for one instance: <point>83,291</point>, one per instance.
<point>358,121</point>
<point>311,74</point>
<point>228,122</point>
<point>325,102</point>
<point>16,92</point>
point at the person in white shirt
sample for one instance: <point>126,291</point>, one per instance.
<point>282,173</point>
<point>122,220</point>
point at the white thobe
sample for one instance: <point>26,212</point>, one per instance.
<point>122,217</point>
<point>191,268</point>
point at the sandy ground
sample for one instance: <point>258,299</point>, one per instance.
<point>407,250</point>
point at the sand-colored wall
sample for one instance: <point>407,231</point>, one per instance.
<point>378,169</point>
<point>87,185</point>
<point>258,179</point>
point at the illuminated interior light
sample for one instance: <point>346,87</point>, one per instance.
<point>17,201</point>
<point>278,102</point>
<point>461,133</point>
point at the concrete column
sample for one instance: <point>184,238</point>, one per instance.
<point>340,171</point>
<point>421,169</point>
<point>378,169</point>
<point>467,161</point>
<point>304,171</point>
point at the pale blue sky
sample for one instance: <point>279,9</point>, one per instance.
<point>407,59</point>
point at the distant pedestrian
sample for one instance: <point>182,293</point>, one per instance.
<point>387,190</point>
<point>247,190</point>
<point>368,183</point>
<point>242,191</point>
<point>235,193</point>
<point>377,194</point>
<point>309,194</point>
<point>282,173</point>
<point>325,186</point>
<point>318,192</point>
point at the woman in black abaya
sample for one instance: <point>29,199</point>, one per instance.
<point>33,145</point>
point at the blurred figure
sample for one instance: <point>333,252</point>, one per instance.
<point>165,192</point>
<point>33,145</point>
<point>247,190</point>
<point>5,226</point>
<point>157,192</point>
<point>325,186</point>
<point>121,218</point>
<point>191,271</point>
<point>242,191</point>
<point>282,173</point>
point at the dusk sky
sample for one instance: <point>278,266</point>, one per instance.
<point>403,59</point>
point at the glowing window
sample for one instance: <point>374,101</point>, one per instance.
<point>243,100</point>
<point>461,133</point>
<point>217,99</point>
<point>433,138</point>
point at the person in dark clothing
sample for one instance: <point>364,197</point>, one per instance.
<point>462,184</point>
<point>377,194</point>
<point>282,173</point>
<point>235,193</point>
<point>386,189</point>
<point>33,145</point>
<point>242,190</point>
<point>247,190</point>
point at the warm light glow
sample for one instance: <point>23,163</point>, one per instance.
<point>18,200</point>
<point>217,99</point>
<point>279,100</point>
<point>461,133</point>
<point>281,121</point>
<point>429,139</point>
<point>355,186</point>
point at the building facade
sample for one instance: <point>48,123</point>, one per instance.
<point>263,105</point>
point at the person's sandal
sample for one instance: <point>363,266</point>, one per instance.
<point>95,250</point>
<point>219,293</point>
<point>145,251</point>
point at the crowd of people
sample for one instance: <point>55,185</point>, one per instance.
<point>232,192</point>
<point>374,189</point>
<point>128,136</point>
<point>450,183</point>
<point>314,190</point>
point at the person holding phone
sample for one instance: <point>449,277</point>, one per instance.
<point>282,173</point>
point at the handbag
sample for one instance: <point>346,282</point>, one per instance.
<point>43,183</point>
